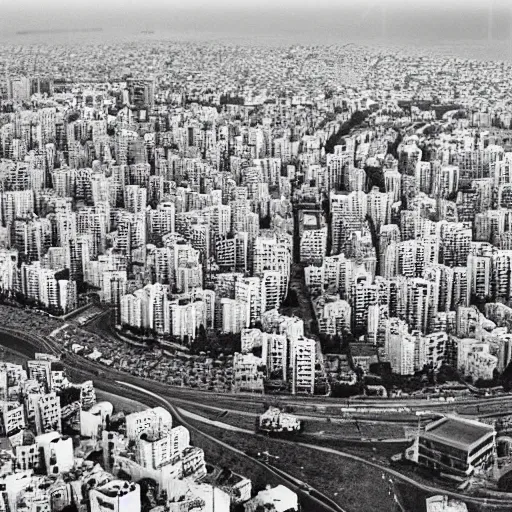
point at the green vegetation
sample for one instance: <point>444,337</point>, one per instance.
<point>231,100</point>
<point>375,177</point>
<point>357,119</point>
<point>291,301</point>
<point>34,322</point>
<point>489,383</point>
<point>69,395</point>
<point>215,343</point>
<point>393,146</point>
<point>223,458</point>
<point>340,390</point>
<point>349,483</point>
<point>447,374</point>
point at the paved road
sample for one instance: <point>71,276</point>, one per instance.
<point>324,503</point>
<point>85,369</point>
<point>219,424</point>
<point>476,406</point>
<point>312,406</point>
<point>311,499</point>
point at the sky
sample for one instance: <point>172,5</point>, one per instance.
<point>174,4</point>
<point>413,21</point>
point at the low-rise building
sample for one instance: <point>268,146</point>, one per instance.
<point>457,446</point>
<point>273,420</point>
<point>280,498</point>
<point>116,496</point>
<point>444,504</point>
<point>480,363</point>
<point>248,373</point>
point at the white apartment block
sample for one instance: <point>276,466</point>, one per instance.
<point>302,362</point>
<point>12,418</point>
<point>234,315</point>
<point>186,319</point>
<point>115,496</point>
<point>275,355</point>
<point>48,413</point>
<point>58,453</point>
<point>313,244</point>
<point>160,449</point>
<point>149,420</point>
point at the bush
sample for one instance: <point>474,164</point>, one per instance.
<point>346,390</point>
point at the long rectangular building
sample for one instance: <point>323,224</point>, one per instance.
<point>456,445</point>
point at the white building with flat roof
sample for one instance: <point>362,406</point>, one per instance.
<point>116,496</point>
<point>280,498</point>
<point>303,361</point>
<point>147,421</point>
<point>58,453</point>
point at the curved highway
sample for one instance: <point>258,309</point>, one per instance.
<point>390,472</point>
<point>310,498</point>
<point>82,369</point>
<point>324,502</point>
<point>102,325</point>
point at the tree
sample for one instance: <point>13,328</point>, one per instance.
<point>265,222</point>
<point>375,240</point>
<point>345,390</point>
<point>375,177</point>
<point>69,395</point>
<point>291,299</point>
<point>73,116</point>
<point>70,508</point>
<point>393,146</point>
<point>357,118</point>
<point>347,338</point>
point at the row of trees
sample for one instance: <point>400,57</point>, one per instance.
<point>357,119</point>
<point>18,298</point>
<point>209,341</point>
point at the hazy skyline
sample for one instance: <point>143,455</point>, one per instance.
<point>249,4</point>
<point>415,22</point>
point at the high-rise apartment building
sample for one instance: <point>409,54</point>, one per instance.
<point>302,362</point>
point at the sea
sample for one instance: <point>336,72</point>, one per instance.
<point>481,50</point>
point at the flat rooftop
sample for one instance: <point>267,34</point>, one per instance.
<point>456,432</point>
<point>362,349</point>
<point>310,220</point>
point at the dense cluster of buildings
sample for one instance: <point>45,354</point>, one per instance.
<point>425,266</point>
<point>187,195</point>
<point>64,448</point>
<point>293,199</point>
